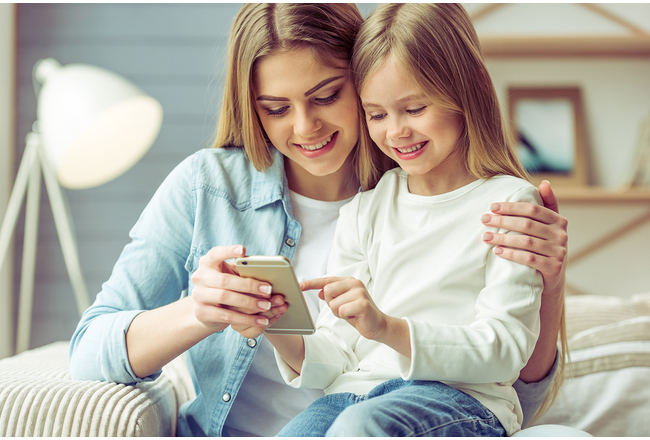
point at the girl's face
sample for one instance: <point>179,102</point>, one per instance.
<point>309,112</point>
<point>420,136</point>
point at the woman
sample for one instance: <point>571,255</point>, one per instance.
<point>286,161</point>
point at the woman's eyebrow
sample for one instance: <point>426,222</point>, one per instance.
<point>311,91</point>
<point>270,98</point>
<point>322,84</point>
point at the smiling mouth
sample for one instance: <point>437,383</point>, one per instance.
<point>318,146</point>
<point>411,149</point>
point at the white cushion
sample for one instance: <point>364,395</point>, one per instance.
<point>607,391</point>
<point>551,431</point>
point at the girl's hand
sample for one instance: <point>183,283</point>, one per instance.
<point>544,243</point>
<point>222,298</point>
<point>349,300</point>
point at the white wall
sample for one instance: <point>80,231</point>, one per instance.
<point>7,64</point>
<point>616,95</point>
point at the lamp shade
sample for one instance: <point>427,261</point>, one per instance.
<point>94,124</point>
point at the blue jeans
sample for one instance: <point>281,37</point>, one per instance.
<point>396,408</point>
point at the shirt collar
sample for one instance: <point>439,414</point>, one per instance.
<point>270,185</point>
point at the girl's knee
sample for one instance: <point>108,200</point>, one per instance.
<point>363,420</point>
<point>349,424</point>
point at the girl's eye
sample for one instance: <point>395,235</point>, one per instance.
<point>277,112</point>
<point>329,99</point>
<point>416,111</point>
<point>378,117</point>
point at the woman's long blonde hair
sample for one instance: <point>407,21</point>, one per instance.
<point>438,47</point>
<point>261,29</point>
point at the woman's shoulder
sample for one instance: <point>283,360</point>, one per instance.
<point>225,173</point>
<point>225,166</point>
<point>224,160</point>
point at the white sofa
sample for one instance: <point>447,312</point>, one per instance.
<point>38,399</point>
<point>607,395</point>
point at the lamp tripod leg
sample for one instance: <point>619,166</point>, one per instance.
<point>25,306</point>
<point>16,199</point>
<point>66,236</point>
<point>23,177</point>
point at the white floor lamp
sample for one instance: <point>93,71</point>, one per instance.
<point>92,126</point>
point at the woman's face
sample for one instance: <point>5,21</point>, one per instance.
<point>308,110</point>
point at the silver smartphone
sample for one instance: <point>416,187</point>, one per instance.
<point>278,271</point>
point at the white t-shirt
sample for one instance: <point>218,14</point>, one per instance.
<point>264,403</point>
<point>473,317</point>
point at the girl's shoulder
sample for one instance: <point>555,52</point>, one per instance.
<point>367,203</point>
<point>389,180</point>
<point>513,189</point>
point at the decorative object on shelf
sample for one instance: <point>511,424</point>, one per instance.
<point>92,126</point>
<point>639,174</point>
<point>549,129</point>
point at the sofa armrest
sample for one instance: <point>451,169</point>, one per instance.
<point>38,398</point>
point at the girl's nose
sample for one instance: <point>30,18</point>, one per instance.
<point>307,123</point>
<point>397,130</point>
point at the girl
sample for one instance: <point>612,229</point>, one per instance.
<point>286,159</point>
<point>426,329</point>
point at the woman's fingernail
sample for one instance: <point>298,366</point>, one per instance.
<point>266,289</point>
<point>488,236</point>
<point>239,250</point>
<point>547,182</point>
<point>485,218</point>
<point>278,300</point>
<point>262,321</point>
<point>498,250</point>
<point>264,305</point>
<point>495,207</point>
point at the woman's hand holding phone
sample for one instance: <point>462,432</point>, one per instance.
<point>222,298</point>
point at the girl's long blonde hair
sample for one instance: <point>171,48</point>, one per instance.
<point>438,47</point>
<point>261,29</point>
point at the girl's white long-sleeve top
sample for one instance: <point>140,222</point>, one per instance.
<point>473,317</point>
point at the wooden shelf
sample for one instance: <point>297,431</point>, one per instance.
<point>595,194</point>
<point>560,47</point>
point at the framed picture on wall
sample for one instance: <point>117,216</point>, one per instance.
<point>549,128</point>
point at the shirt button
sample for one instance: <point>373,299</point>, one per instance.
<point>251,343</point>
<point>290,242</point>
<point>226,397</point>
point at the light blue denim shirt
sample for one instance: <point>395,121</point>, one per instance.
<point>214,197</point>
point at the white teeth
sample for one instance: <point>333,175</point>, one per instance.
<point>411,149</point>
<point>317,146</point>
